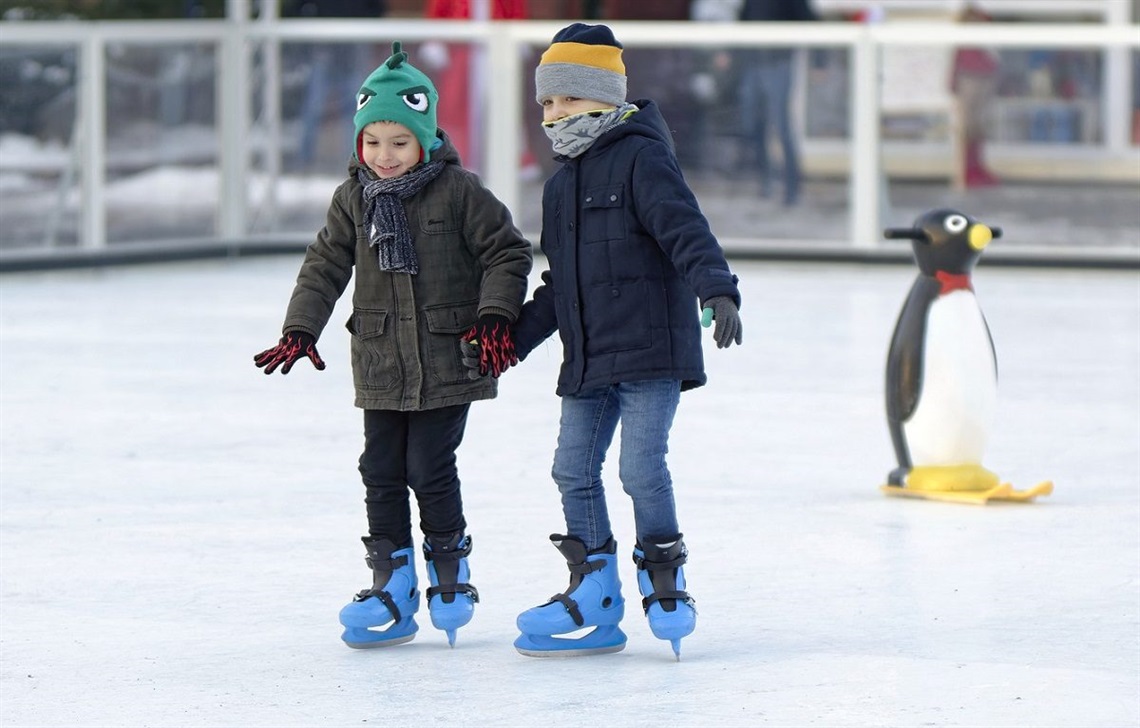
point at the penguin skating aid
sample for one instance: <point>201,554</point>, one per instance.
<point>1000,492</point>
<point>942,370</point>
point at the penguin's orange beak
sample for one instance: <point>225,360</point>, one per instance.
<point>980,236</point>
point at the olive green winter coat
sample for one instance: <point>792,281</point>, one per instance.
<point>406,328</point>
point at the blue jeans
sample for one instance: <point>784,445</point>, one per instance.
<point>586,430</point>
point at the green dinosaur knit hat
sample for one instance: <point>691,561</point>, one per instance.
<point>398,91</point>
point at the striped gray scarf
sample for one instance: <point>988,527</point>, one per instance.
<point>573,135</point>
<point>385,219</point>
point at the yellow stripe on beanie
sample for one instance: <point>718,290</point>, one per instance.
<point>585,54</point>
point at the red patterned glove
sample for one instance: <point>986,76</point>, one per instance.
<point>293,346</point>
<point>496,349</point>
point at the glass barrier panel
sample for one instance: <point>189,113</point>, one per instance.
<point>39,181</point>
<point>1048,96</point>
<point>163,154</point>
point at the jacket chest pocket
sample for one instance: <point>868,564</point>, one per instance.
<point>438,220</point>
<point>603,214</point>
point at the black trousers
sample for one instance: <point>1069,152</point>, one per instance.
<point>413,450</point>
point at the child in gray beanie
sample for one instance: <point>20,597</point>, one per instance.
<point>630,255</point>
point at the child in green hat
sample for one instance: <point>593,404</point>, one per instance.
<point>436,259</point>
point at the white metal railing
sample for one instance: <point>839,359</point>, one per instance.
<point>500,42</point>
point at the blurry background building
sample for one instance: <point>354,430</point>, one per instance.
<point>150,126</point>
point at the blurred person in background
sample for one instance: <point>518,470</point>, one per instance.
<point>765,94</point>
<point>711,76</point>
<point>668,72</point>
<point>974,80</point>
<point>332,69</point>
<point>457,66</point>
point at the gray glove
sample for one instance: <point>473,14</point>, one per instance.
<point>469,351</point>
<point>728,329</point>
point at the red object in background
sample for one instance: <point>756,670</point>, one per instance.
<point>500,9</point>
<point>454,82</point>
<point>975,62</point>
<point>643,10</point>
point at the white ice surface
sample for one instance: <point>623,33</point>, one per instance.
<point>178,531</point>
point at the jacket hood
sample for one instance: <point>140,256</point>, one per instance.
<point>647,122</point>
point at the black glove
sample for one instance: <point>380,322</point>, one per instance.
<point>727,318</point>
<point>496,353</point>
<point>293,346</point>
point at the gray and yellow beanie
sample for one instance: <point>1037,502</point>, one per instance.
<point>582,61</point>
<point>398,91</point>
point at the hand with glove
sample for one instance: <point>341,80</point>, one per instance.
<point>728,329</point>
<point>469,351</point>
<point>293,346</point>
<point>487,347</point>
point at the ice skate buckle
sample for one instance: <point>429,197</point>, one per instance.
<point>384,597</point>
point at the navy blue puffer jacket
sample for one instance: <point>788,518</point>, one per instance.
<point>630,256</point>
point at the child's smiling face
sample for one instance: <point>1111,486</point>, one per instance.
<point>389,149</point>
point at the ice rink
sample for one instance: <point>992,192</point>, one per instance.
<point>178,531</point>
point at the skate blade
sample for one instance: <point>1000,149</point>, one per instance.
<point>366,645</point>
<point>568,652</point>
<point>602,640</point>
<point>359,638</point>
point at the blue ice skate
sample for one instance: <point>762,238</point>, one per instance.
<point>593,599</point>
<point>451,600</point>
<point>393,599</point>
<point>672,613</point>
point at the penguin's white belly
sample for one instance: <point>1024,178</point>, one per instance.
<point>955,407</point>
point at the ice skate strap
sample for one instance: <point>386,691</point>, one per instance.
<point>454,589</point>
<point>449,556</point>
<point>384,597</point>
<point>586,567</point>
<point>571,607</point>
<point>386,564</point>
<point>659,595</point>
<point>642,563</point>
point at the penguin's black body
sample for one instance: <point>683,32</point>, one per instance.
<point>941,376</point>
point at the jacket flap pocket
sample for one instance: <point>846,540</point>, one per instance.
<point>366,324</point>
<point>605,196</point>
<point>451,318</point>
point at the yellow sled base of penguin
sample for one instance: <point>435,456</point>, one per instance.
<point>970,484</point>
